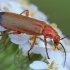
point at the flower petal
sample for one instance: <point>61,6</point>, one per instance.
<point>38,65</point>
<point>4,0</point>
<point>19,38</point>
<point>56,56</point>
<point>25,47</point>
<point>2,28</point>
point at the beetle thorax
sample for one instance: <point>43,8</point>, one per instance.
<point>49,32</point>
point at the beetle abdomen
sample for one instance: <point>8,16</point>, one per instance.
<point>21,23</point>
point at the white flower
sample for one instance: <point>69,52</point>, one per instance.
<point>66,44</point>
<point>38,65</point>
<point>12,5</point>
<point>68,60</point>
<point>25,47</point>
<point>63,68</point>
<point>56,56</point>
<point>2,28</point>
<point>4,1</point>
<point>19,38</point>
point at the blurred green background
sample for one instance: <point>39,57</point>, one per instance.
<point>57,11</point>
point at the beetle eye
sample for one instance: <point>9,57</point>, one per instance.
<point>56,43</point>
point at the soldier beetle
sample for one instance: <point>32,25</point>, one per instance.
<point>24,24</point>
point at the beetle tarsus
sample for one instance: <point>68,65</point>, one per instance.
<point>28,55</point>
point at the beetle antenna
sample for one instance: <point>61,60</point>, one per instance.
<point>65,54</point>
<point>65,37</point>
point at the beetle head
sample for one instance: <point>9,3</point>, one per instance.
<point>56,40</point>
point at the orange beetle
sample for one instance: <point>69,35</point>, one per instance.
<point>24,24</point>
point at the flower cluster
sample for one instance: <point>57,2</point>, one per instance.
<point>24,41</point>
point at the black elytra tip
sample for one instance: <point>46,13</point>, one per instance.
<point>1,14</point>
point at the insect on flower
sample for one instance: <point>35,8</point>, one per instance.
<point>24,24</point>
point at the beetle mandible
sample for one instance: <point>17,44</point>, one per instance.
<point>24,24</point>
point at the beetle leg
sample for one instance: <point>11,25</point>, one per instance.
<point>32,46</point>
<point>46,46</point>
<point>15,32</point>
<point>26,11</point>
